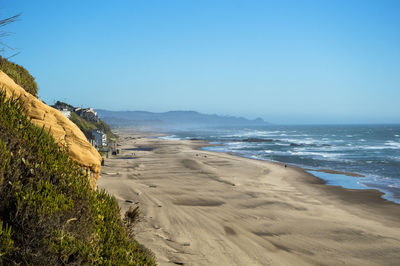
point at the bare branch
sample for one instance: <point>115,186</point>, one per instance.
<point>4,22</point>
<point>9,20</point>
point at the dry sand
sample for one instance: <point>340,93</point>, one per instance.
<point>205,208</point>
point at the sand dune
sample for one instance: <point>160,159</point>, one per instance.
<point>205,208</point>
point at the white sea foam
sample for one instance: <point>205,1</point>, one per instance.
<point>387,145</point>
<point>170,137</point>
<point>307,141</point>
<point>254,133</point>
<point>238,145</point>
<point>395,158</point>
<point>323,148</point>
<point>319,154</point>
<point>376,147</point>
<point>338,141</point>
<point>393,144</point>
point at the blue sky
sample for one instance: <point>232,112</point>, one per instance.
<point>284,61</point>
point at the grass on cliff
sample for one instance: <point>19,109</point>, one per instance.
<point>48,212</point>
<point>87,126</point>
<point>20,76</point>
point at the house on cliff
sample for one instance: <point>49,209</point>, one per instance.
<point>64,108</point>
<point>87,113</point>
<point>99,138</point>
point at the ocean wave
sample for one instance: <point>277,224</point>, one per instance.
<point>376,147</point>
<point>395,158</point>
<point>387,145</point>
<point>268,151</point>
<point>238,145</point>
<point>306,142</point>
<point>255,133</point>
<point>319,154</point>
<point>170,137</point>
<point>393,144</point>
<point>300,141</point>
<point>325,148</point>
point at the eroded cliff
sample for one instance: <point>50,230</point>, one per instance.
<point>64,131</point>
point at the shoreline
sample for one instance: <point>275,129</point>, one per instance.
<point>202,207</point>
<point>347,195</point>
<point>382,192</point>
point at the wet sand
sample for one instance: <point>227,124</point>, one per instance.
<point>207,208</point>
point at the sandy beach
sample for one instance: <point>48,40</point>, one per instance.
<point>207,208</point>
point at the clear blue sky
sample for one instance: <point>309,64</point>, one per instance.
<point>285,61</point>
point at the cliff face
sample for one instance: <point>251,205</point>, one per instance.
<point>64,131</point>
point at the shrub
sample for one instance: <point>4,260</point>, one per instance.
<point>6,242</point>
<point>20,75</point>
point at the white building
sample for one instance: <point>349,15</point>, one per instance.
<point>66,112</point>
<point>100,138</point>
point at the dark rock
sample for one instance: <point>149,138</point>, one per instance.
<point>258,140</point>
<point>296,145</point>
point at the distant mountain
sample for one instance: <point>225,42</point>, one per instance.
<point>172,119</point>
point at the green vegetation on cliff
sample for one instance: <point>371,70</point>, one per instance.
<point>20,75</point>
<point>87,126</point>
<point>48,212</point>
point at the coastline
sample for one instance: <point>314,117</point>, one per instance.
<point>201,207</point>
<point>330,177</point>
<point>373,198</point>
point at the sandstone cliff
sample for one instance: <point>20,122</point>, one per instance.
<point>63,130</point>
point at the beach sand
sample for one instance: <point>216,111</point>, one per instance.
<point>207,208</point>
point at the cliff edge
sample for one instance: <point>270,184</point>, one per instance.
<point>64,131</point>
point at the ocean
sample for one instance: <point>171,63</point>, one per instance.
<point>372,151</point>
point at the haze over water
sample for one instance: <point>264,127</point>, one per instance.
<point>369,150</point>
